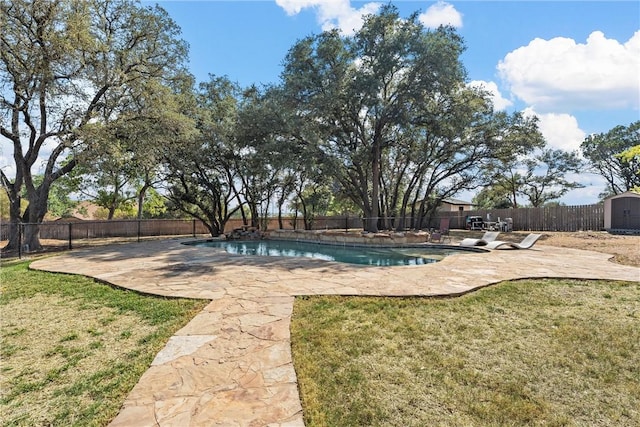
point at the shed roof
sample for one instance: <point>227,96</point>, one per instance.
<point>456,202</point>
<point>625,194</point>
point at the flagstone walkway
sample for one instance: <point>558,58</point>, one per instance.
<point>231,365</point>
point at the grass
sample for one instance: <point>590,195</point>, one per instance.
<point>71,348</point>
<point>530,352</point>
<point>522,353</point>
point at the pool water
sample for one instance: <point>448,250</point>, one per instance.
<point>346,254</point>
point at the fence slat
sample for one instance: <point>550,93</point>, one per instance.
<point>556,218</point>
<point>559,218</point>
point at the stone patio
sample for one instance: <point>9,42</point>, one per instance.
<point>231,365</point>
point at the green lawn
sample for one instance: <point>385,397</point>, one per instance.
<point>523,353</point>
<point>531,352</point>
<point>71,348</point>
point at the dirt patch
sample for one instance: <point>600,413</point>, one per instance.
<point>625,249</point>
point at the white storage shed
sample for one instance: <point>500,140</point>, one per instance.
<point>622,212</point>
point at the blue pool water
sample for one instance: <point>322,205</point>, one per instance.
<point>346,254</point>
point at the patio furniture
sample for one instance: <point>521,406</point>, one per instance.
<point>442,232</point>
<point>474,223</point>
<point>489,236</point>
<point>501,225</point>
<point>526,243</point>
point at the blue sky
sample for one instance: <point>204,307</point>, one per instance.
<point>574,64</point>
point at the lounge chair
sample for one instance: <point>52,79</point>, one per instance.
<point>489,236</point>
<point>526,243</point>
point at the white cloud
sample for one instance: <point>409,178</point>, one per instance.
<point>560,73</point>
<point>332,13</point>
<point>293,7</point>
<point>441,13</point>
<point>594,185</point>
<point>561,131</point>
<point>499,103</point>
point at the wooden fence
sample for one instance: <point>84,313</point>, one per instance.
<point>75,230</point>
<point>561,218</point>
<point>558,218</point>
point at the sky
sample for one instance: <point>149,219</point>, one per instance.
<point>573,64</point>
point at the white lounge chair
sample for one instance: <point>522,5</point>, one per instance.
<point>526,243</point>
<point>489,236</point>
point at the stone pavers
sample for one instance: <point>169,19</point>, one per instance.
<point>231,365</point>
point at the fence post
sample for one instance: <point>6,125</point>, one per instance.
<point>194,227</point>
<point>19,240</point>
<point>70,246</point>
<point>139,231</point>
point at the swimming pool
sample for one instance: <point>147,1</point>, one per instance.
<point>374,256</point>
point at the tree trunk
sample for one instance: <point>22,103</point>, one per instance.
<point>307,217</point>
<point>214,228</point>
<point>281,202</point>
<point>14,236</point>
<point>141,196</point>
<point>372,220</point>
<point>255,217</point>
<point>14,221</point>
<point>34,215</point>
<point>243,214</point>
<point>32,238</point>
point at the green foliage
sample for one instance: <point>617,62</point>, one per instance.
<point>493,197</point>
<point>313,200</point>
<point>631,157</point>
<point>341,205</point>
<point>125,210</point>
<point>395,124</point>
<point>265,163</point>
<point>202,171</point>
<point>60,203</point>
<point>131,149</point>
<point>155,205</point>
<point>545,179</point>
<point>632,154</point>
<point>613,155</point>
<point>540,177</point>
<point>5,204</point>
<point>111,185</point>
<point>105,55</point>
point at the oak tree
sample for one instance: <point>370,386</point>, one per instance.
<point>66,64</point>
<point>604,152</point>
<point>398,127</point>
